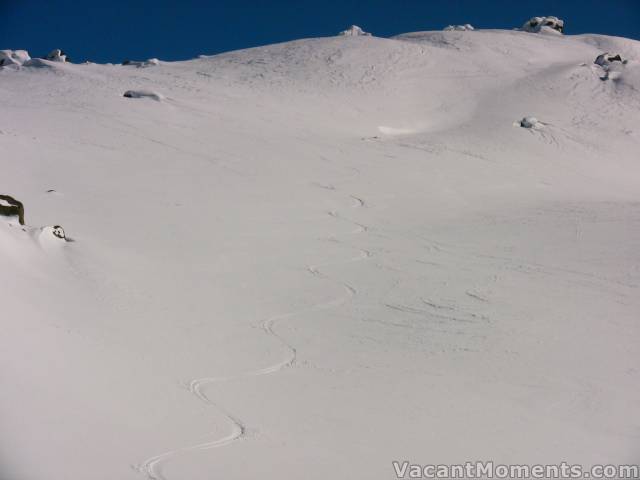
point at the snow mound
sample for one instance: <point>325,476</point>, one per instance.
<point>459,28</point>
<point>530,122</point>
<point>13,57</point>
<point>543,25</point>
<point>57,55</point>
<point>143,94</point>
<point>354,31</point>
<point>147,63</point>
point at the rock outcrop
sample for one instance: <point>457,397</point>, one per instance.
<point>10,207</point>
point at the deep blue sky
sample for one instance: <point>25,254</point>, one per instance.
<point>115,30</point>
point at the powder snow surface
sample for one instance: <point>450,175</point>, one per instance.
<point>317,257</point>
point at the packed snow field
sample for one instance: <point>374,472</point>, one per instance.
<point>310,259</point>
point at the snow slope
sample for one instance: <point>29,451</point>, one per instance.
<point>310,259</point>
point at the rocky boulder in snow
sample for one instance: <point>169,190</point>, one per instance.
<point>605,60</point>
<point>543,24</point>
<point>147,63</point>
<point>459,28</point>
<point>354,31</point>
<point>51,237</point>
<point>57,55</point>
<point>13,57</point>
<point>611,64</point>
<point>143,94</point>
<point>530,122</point>
<point>10,207</point>
<point>58,232</point>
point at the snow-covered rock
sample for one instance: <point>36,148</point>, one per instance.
<point>141,64</point>
<point>13,57</point>
<point>143,94</point>
<point>605,60</point>
<point>50,237</point>
<point>530,122</point>
<point>57,55</point>
<point>354,31</point>
<point>459,28</point>
<point>543,25</point>
<point>611,65</point>
<point>58,232</point>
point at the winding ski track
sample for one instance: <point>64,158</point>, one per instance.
<point>152,467</point>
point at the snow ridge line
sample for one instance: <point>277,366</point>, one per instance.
<point>151,466</point>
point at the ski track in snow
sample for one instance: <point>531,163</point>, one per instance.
<point>152,466</point>
<point>504,257</point>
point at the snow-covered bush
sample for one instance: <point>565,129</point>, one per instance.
<point>544,24</point>
<point>354,31</point>
<point>13,57</point>
<point>57,55</point>
<point>459,28</point>
<point>10,207</point>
